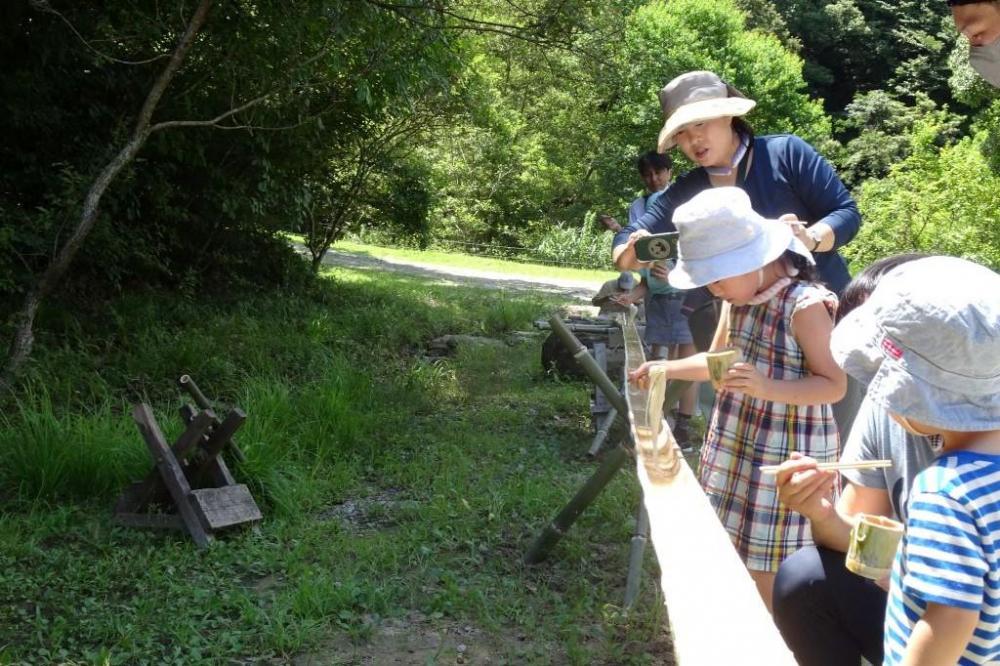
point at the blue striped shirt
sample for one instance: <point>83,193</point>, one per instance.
<point>948,555</point>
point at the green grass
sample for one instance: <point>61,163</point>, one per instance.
<point>456,464</point>
<point>457,260</point>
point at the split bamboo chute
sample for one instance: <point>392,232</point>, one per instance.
<point>716,614</point>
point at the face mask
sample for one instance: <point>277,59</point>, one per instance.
<point>986,61</point>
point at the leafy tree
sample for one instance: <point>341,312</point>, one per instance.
<point>938,200</point>
<point>882,128</point>
<point>856,46</point>
<point>251,101</point>
<point>663,40</point>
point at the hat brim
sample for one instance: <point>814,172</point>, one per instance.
<point>762,250</point>
<point>698,112</point>
<point>858,345</point>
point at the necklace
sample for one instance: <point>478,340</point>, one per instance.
<point>741,150</point>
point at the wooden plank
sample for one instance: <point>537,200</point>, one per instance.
<point>171,473</point>
<point>187,383</point>
<point>223,433</point>
<point>225,507</point>
<point>716,614</point>
<point>152,490</point>
<point>215,467</point>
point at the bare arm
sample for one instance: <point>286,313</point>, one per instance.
<point>624,254</point>
<point>807,490</point>
<point>690,368</point>
<point>624,257</point>
<point>940,636</point>
<point>826,382</point>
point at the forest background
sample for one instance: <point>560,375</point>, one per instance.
<point>495,126</point>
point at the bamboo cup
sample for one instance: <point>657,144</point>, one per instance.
<point>874,540</point>
<point>720,361</point>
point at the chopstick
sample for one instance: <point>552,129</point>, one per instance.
<point>864,464</point>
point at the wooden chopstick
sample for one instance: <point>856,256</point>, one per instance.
<point>864,464</point>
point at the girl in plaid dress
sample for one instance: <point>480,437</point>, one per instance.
<point>778,399</point>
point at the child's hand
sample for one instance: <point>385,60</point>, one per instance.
<point>804,488</point>
<point>640,376</point>
<point>744,378</point>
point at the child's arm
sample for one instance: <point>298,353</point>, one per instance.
<point>690,368</point>
<point>940,636</point>
<point>825,383</point>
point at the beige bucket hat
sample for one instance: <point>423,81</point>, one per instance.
<point>695,97</point>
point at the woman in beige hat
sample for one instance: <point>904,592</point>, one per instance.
<point>785,177</point>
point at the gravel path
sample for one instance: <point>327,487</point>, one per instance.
<point>576,290</point>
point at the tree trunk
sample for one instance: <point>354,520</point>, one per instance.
<point>21,344</point>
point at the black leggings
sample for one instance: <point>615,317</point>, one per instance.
<point>827,615</point>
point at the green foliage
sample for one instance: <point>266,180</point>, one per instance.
<point>856,46</point>
<point>555,132</point>
<point>585,245</point>
<point>333,75</point>
<point>882,127</point>
<point>938,200</point>
<point>663,40</point>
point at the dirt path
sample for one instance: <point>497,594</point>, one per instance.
<point>575,290</point>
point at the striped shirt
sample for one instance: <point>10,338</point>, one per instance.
<point>948,555</point>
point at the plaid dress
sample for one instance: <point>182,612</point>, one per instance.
<point>745,432</point>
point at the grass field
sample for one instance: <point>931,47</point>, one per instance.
<point>456,260</point>
<point>399,493</point>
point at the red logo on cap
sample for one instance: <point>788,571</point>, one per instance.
<point>891,349</point>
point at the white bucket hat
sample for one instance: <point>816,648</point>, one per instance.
<point>927,343</point>
<point>720,235</point>
<point>694,98</point>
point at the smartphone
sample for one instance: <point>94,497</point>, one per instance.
<point>657,247</point>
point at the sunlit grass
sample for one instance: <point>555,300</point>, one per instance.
<point>461,461</point>
<point>459,260</point>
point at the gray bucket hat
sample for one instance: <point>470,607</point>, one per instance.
<point>695,97</point>
<point>927,343</point>
<point>720,235</point>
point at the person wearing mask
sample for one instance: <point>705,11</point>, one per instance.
<point>979,21</point>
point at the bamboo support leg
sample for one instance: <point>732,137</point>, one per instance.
<point>555,530</point>
<point>602,432</point>
<point>590,366</point>
<point>636,550</point>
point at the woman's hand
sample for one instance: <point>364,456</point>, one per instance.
<point>804,488</point>
<point>640,376</point>
<point>798,228</point>
<point>745,378</point>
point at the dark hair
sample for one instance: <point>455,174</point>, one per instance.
<point>653,161</point>
<point>952,3</point>
<point>743,128</point>
<point>807,271</point>
<point>864,283</point>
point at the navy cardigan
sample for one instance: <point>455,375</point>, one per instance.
<point>786,175</point>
